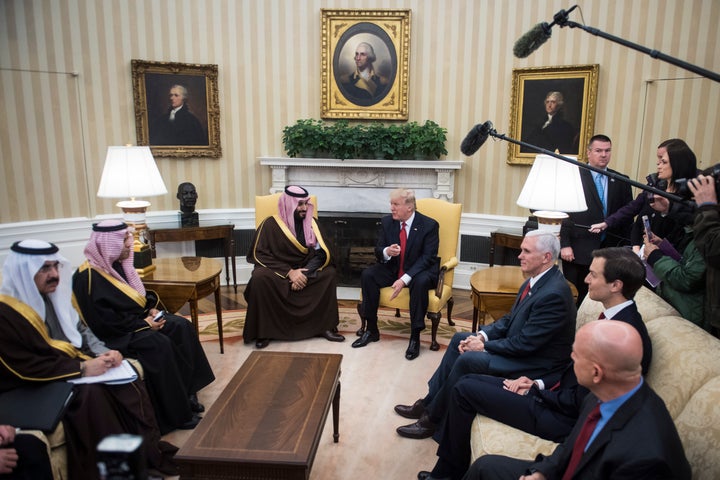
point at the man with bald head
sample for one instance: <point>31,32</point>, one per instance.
<point>621,413</point>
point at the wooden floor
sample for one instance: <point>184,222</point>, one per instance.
<point>232,301</point>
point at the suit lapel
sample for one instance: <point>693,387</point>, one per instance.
<point>626,411</point>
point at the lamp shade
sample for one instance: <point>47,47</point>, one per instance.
<point>553,185</point>
<point>130,172</point>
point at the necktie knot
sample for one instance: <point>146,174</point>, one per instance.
<point>602,316</point>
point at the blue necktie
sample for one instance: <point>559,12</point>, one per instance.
<point>601,193</point>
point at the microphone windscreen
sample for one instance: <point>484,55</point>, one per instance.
<point>474,139</point>
<point>532,40</point>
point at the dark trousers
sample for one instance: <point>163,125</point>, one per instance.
<point>485,395</point>
<point>380,275</point>
<point>452,368</point>
<point>497,467</point>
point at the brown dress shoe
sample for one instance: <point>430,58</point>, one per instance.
<point>413,411</point>
<point>423,428</point>
<point>332,336</point>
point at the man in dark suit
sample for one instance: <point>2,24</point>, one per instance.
<point>624,430</point>
<point>406,251</point>
<point>534,339</point>
<point>178,126</point>
<point>546,407</point>
<point>603,196</point>
<point>553,132</point>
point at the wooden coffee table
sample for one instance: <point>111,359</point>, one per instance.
<point>181,280</point>
<point>268,421</point>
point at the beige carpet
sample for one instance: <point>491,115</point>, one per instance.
<point>374,379</point>
<point>233,321</point>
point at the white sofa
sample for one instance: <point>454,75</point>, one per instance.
<point>685,372</point>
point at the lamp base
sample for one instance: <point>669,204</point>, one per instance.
<point>550,221</point>
<point>142,259</point>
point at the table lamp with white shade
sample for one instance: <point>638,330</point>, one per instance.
<point>130,172</point>
<point>552,189</point>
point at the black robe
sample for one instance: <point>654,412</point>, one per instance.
<point>173,360</point>
<point>275,311</point>
<point>29,356</point>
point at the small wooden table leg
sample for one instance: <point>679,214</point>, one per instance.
<point>194,314</point>
<point>336,414</point>
<point>218,313</point>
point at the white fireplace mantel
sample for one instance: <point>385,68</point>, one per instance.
<point>357,178</point>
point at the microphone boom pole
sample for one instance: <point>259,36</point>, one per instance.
<point>563,22</point>
<point>493,133</point>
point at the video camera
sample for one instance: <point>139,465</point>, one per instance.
<point>714,172</point>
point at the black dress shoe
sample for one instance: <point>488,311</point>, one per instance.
<point>366,338</point>
<point>195,405</point>
<point>423,428</point>
<point>262,342</point>
<point>413,411</point>
<point>413,349</point>
<point>192,423</point>
<point>360,331</point>
<point>332,336</point>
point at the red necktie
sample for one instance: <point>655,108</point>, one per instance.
<point>581,441</point>
<point>602,316</point>
<point>403,242</point>
<point>525,291</point>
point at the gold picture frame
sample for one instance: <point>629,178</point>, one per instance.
<point>572,125</point>
<point>194,129</point>
<point>384,36</point>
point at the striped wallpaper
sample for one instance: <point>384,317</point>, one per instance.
<point>67,94</point>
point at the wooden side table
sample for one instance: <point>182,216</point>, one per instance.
<point>187,279</point>
<point>499,238</point>
<point>204,232</point>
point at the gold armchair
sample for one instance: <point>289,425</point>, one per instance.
<point>448,216</point>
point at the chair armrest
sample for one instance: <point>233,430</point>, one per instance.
<point>445,267</point>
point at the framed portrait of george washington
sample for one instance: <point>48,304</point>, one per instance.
<point>552,108</point>
<point>365,64</point>
<point>177,112</point>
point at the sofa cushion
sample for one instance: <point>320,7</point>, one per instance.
<point>685,357</point>
<point>699,430</point>
<point>495,438</point>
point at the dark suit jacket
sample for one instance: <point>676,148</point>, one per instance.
<point>639,442</point>
<point>422,244</point>
<point>536,337</point>
<point>631,315</point>
<point>578,237</point>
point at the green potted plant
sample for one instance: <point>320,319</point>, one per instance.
<point>305,139</point>
<point>377,141</point>
<point>343,140</point>
<point>429,141</point>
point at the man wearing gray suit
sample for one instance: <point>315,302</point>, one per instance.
<point>534,339</point>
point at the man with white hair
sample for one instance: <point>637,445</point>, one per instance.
<point>113,301</point>
<point>178,126</point>
<point>292,293</point>
<point>534,339</point>
<point>42,340</point>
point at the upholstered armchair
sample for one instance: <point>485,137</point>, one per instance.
<point>448,216</point>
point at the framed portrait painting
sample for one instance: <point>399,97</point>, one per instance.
<point>365,61</point>
<point>177,112</point>
<point>552,108</point>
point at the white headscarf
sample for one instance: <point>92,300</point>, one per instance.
<point>22,264</point>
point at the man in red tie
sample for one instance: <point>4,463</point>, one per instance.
<point>406,251</point>
<point>624,429</point>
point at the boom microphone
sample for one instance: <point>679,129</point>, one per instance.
<point>475,138</point>
<point>539,34</point>
<point>532,40</point>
